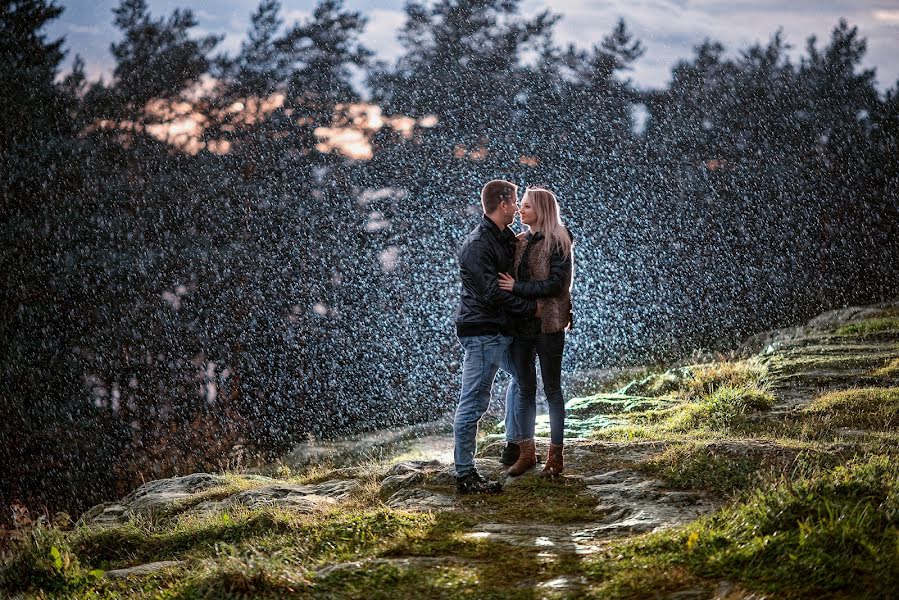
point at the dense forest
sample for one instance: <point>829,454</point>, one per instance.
<point>168,309</point>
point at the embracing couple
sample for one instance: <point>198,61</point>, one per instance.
<point>515,309</point>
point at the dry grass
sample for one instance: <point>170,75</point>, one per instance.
<point>891,369</point>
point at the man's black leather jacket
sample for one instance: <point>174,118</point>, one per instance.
<point>485,309</point>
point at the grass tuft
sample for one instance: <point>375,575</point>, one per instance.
<point>891,369</point>
<point>725,407</point>
<point>709,378</point>
<point>729,467</point>
<point>861,408</point>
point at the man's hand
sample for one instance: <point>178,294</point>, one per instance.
<point>505,282</point>
<point>539,312</point>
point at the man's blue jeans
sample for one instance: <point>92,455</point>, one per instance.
<point>484,356</point>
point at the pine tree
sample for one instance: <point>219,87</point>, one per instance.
<point>156,59</point>
<point>31,105</point>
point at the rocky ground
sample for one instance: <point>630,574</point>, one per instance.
<point>677,485</point>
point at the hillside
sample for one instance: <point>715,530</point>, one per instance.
<point>772,475</point>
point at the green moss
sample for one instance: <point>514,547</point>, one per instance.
<point>576,427</point>
<point>607,404</point>
<point>628,377</point>
<point>585,415</point>
<point>874,325</point>
<point>725,408</point>
<point>657,384</point>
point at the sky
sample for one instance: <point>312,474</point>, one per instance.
<point>669,29</point>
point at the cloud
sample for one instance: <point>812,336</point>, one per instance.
<point>887,16</point>
<point>381,31</point>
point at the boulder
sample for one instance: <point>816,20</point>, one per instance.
<point>153,497</point>
<point>408,473</point>
<point>302,498</point>
<point>181,494</point>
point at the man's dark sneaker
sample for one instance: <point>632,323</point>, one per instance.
<point>474,483</point>
<point>510,454</point>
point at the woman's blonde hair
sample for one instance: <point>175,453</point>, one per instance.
<point>549,220</point>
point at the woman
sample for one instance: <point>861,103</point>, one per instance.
<point>542,271</point>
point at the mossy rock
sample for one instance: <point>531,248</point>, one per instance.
<point>609,404</point>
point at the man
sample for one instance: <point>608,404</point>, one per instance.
<point>484,326</point>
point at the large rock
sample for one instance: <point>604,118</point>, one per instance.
<point>302,498</point>
<point>634,503</point>
<point>769,341</point>
<point>408,485</point>
<point>408,473</point>
<point>183,494</point>
<point>353,449</point>
<point>416,472</point>
<point>154,497</point>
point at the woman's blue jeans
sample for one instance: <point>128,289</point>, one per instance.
<point>548,348</point>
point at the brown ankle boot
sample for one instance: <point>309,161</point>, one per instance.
<point>554,463</point>
<point>527,458</point>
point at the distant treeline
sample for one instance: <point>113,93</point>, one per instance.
<point>166,312</point>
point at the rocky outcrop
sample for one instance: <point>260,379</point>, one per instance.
<point>189,494</point>
<point>631,502</point>
<point>769,341</point>
<point>627,501</point>
<point>153,497</point>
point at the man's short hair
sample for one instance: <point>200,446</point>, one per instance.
<point>497,191</point>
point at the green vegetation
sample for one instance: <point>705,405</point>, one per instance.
<point>696,399</point>
<point>707,379</point>
<point>875,325</point>
<point>860,408</point>
<point>52,560</point>
<point>724,408</point>
<point>716,398</point>
<point>791,364</point>
<point>727,467</point>
<point>811,537</point>
<point>808,496</point>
